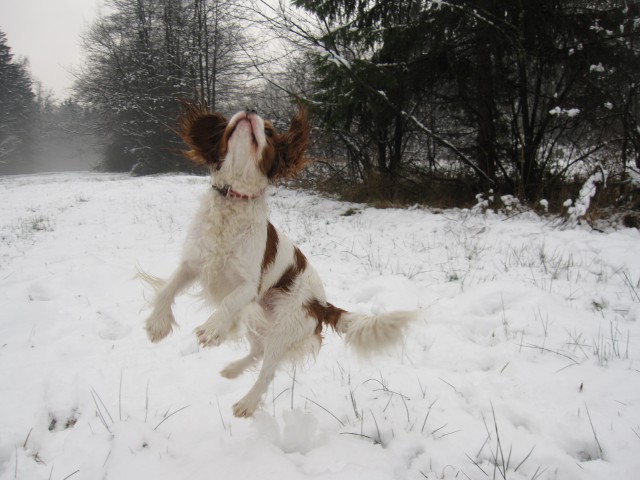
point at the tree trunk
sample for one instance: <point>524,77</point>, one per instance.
<point>485,115</point>
<point>395,159</point>
<point>485,102</point>
<point>381,143</point>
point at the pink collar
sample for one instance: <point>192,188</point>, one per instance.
<point>228,192</point>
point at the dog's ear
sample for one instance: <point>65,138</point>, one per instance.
<point>291,147</point>
<point>202,131</point>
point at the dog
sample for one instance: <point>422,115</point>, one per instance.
<point>262,285</point>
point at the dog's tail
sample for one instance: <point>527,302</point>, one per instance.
<point>368,334</point>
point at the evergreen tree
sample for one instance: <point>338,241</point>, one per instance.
<point>370,72</point>
<point>518,94</point>
<point>16,113</point>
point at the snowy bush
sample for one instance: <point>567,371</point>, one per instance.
<point>510,202</point>
<point>505,204</point>
<point>578,209</point>
<point>482,203</point>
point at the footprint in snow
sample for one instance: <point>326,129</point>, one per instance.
<point>110,328</point>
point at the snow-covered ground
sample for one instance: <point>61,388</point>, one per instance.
<point>526,366</point>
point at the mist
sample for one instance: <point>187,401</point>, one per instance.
<point>66,152</point>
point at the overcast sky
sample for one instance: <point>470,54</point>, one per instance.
<point>47,33</point>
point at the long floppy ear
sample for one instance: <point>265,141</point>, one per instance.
<point>202,131</point>
<point>291,146</point>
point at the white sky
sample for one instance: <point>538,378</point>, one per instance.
<point>47,33</point>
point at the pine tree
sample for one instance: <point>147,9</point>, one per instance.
<point>369,70</point>
<point>16,112</point>
<point>518,94</point>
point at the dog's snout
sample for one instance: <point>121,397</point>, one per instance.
<point>250,111</point>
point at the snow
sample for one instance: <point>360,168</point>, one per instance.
<point>572,112</point>
<point>578,209</point>
<point>544,203</point>
<point>526,364</point>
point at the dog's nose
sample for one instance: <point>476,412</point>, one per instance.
<point>249,111</point>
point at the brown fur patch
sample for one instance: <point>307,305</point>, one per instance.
<point>203,132</point>
<point>270,251</point>
<point>271,248</point>
<point>284,155</point>
<point>328,314</point>
<point>289,276</point>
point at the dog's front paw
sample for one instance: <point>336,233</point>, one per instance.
<point>245,408</point>
<point>159,325</point>
<point>209,335</point>
<point>214,331</point>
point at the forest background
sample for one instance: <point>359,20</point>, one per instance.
<point>447,103</point>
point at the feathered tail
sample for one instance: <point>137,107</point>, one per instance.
<point>368,334</point>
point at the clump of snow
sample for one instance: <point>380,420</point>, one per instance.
<point>579,208</point>
<point>544,204</point>
<point>572,112</point>
<point>489,203</point>
<point>525,361</point>
<point>482,203</point>
<point>510,202</point>
<point>483,200</point>
<point>298,434</point>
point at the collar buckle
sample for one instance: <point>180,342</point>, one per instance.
<point>228,192</point>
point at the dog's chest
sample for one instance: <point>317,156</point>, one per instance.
<point>225,237</point>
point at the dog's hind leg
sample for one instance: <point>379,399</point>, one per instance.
<point>161,321</point>
<point>249,403</point>
<point>254,320</point>
<point>239,366</point>
<point>279,344</point>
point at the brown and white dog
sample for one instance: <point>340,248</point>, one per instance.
<point>260,282</point>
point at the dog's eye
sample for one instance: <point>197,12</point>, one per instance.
<point>268,132</point>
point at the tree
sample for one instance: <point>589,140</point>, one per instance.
<point>217,45</point>
<point>144,55</point>
<point>557,122</point>
<point>373,78</point>
<point>369,75</point>
<point>520,95</point>
<point>65,137</point>
<point>16,112</point>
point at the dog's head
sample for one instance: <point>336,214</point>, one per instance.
<point>245,151</point>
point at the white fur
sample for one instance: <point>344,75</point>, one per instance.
<point>371,334</point>
<point>224,250</point>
